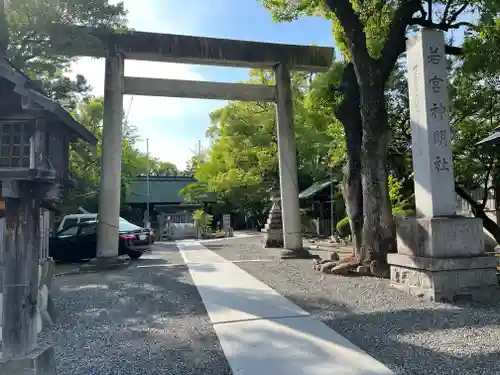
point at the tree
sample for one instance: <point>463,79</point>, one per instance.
<point>30,22</point>
<point>372,36</point>
<point>163,168</point>
<point>476,105</point>
<point>85,160</point>
<point>242,164</point>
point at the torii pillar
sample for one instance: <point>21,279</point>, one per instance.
<point>111,159</point>
<point>287,155</point>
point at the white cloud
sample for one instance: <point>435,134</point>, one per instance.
<point>154,16</point>
<point>176,152</point>
<point>143,106</point>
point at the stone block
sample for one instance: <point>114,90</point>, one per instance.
<point>274,225</point>
<point>440,237</point>
<point>442,264</point>
<point>446,286</point>
<point>277,214</point>
<point>39,362</point>
<point>274,238</point>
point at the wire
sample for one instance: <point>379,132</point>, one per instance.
<point>108,224</point>
<point>128,110</point>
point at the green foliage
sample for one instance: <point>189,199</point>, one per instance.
<point>376,15</point>
<point>193,192</point>
<point>394,190</point>
<point>203,219</point>
<point>30,22</point>
<point>344,228</point>
<point>29,48</point>
<point>85,161</point>
<point>401,205</point>
<point>242,163</point>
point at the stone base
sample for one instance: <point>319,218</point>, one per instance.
<point>445,280</point>
<point>274,238</point>
<point>440,237</point>
<point>39,362</point>
<point>297,254</point>
<point>106,264</point>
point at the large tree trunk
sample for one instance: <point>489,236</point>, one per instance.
<point>353,196</point>
<point>379,232</point>
<point>349,115</point>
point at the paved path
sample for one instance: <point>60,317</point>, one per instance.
<point>410,336</point>
<point>239,308</point>
<point>262,332</point>
<point>145,320</point>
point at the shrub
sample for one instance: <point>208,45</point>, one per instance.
<point>344,228</point>
<point>399,212</point>
<point>203,220</point>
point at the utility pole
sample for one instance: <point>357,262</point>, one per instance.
<point>148,216</point>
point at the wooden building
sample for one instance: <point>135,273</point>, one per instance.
<point>319,208</point>
<point>164,197</point>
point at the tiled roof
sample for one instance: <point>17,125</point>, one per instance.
<point>161,189</point>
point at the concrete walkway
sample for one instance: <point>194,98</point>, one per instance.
<point>262,332</point>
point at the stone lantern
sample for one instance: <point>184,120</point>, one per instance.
<point>274,225</point>
<point>35,133</point>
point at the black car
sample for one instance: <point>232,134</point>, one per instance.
<point>79,242</point>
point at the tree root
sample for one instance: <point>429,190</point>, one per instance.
<point>336,267</point>
<point>351,265</point>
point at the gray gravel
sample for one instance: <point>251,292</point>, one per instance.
<point>142,320</point>
<point>409,336</point>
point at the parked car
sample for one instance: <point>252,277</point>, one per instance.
<point>79,241</point>
<point>73,219</point>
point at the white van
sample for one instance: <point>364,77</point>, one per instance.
<point>73,219</point>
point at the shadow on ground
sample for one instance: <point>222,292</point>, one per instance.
<point>409,336</point>
<point>147,319</point>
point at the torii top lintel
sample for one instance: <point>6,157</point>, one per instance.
<point>77,41</point>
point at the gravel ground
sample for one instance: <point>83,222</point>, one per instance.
<point>409,336</point>
<point>142,320</point>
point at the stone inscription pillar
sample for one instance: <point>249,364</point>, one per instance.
<point>429,117</point>
<point>109,192</point>
<point>287,154</point>
<point>441,256</point>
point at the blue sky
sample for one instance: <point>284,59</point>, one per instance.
<point>174,126</point>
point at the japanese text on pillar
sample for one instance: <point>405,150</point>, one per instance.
<point>441,138</point>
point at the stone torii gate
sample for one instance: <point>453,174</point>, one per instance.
<point>117,46</point>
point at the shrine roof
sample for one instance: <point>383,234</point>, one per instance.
<point>25,87</point>
<point>492,139</point>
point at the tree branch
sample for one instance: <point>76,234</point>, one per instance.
<point>447,9</point>
<point>455,15</point>
<point>452,50</point>
<point>395,43</point>
<point>445,26</point>
<point>353,30</point>
<point>485,188</point>
<point>466,197</point>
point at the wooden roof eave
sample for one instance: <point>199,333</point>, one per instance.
<point>22,88</point>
